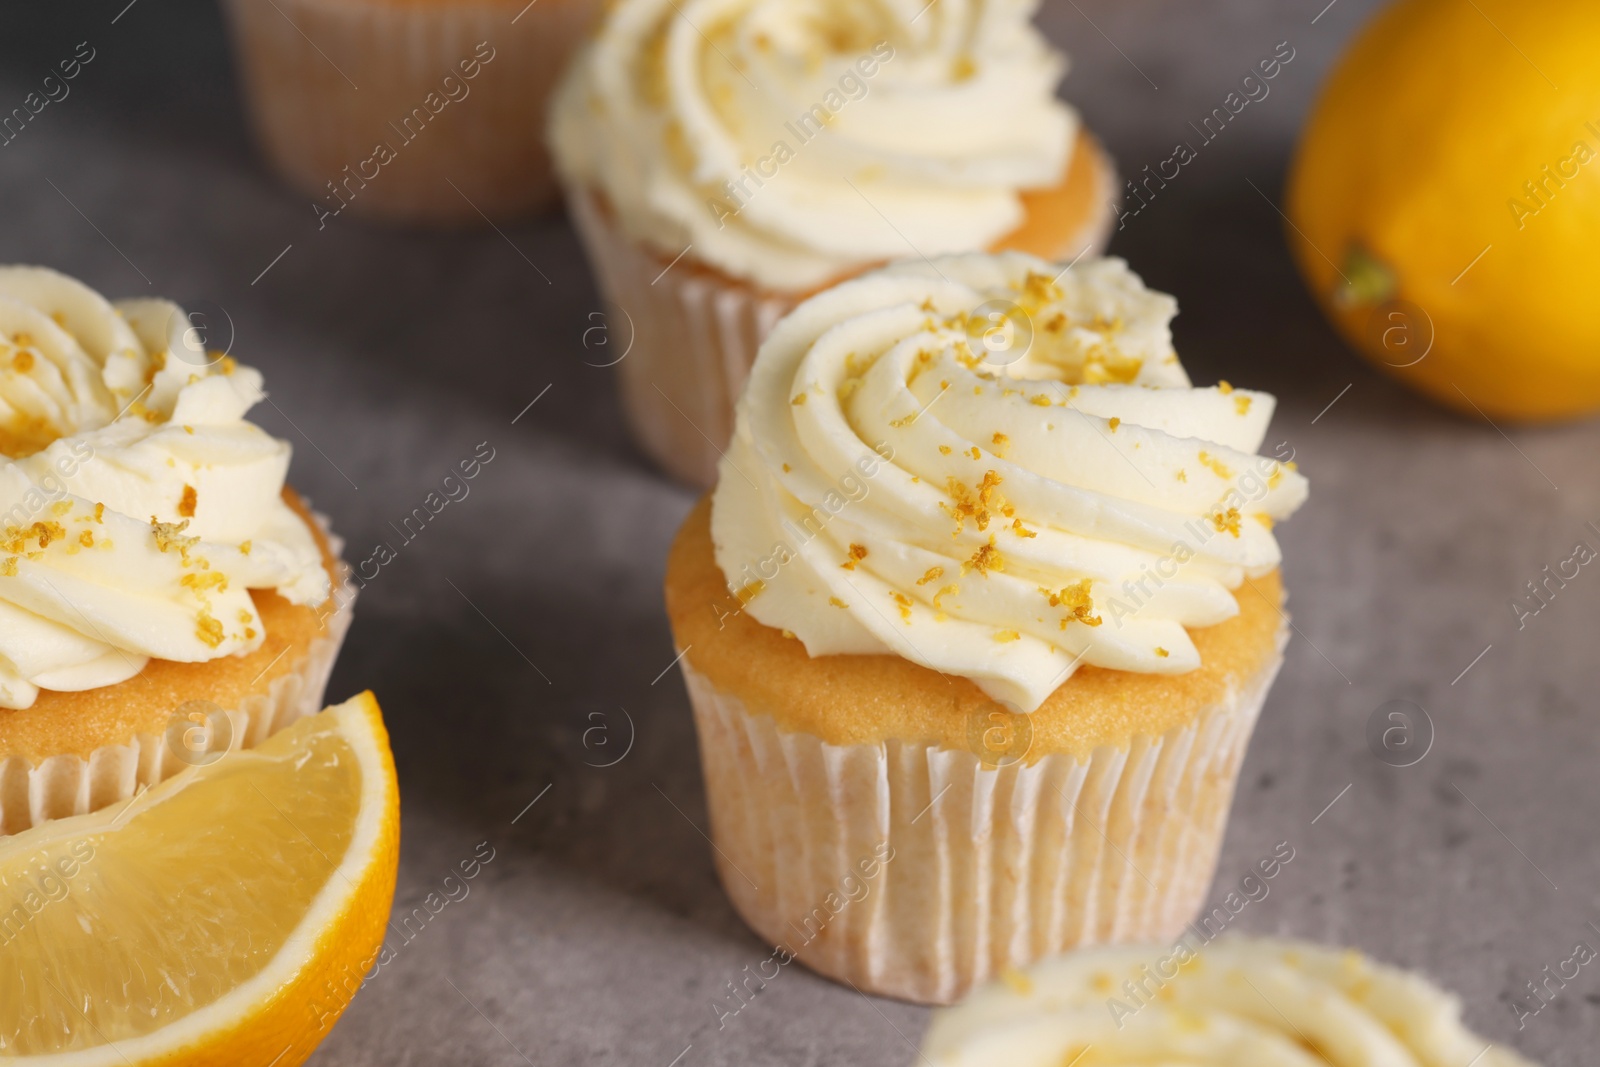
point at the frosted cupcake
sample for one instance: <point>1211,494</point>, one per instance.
<point>424,111</point>
<point>163,595</point>
<point>1240,1001</point>
<point>724,162</point>
<point>987,593</point>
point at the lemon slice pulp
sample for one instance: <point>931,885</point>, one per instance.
<point>224,916</point>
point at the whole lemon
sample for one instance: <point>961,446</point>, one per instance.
<point>1445,202</point>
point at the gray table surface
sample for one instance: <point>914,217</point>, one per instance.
<point>530,611</point>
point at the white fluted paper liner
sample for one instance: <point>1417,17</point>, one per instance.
<point>989,868</point>
<point>690,339</point>
<point>66,785</point>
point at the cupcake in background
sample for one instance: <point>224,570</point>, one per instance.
<point>378,106</point>
<point>1239,1001</point>
<point>723,163</point>
<point>978,621</point>
<point>163,595</point>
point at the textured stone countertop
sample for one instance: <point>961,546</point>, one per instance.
<point>530,611</point>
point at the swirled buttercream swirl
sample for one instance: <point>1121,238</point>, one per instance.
<point>138,508</point>
<point>998,469</point>
<point>792,141</point>
<point>1235,1003</point>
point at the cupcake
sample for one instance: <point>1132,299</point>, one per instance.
<point>163,595</point>
<point>1240,1001</point>
<point>978,621</point>
<point>380,106</point>
<point>721,166</point>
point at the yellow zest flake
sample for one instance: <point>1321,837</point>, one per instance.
<point>1007,636</point>
<point>249,633</point>
<point>187,502</point>
<point>1182,475</point>
<point>1057,322</point>
<point>836,602</point>
<point>100,513</point>
<point>1021,530</point>
<point>799,400</point>
<point>1275,477</point>
<point>189,430</point>
<point>1224,388</point>
<point>1292,465</point>
<point>986,559</point>
<point>60,508</point>
<point>1016,981</point>
<point>1103,364</point>
<point>1077,600</point>
<point>208,629</point>
<point>857,554</point>
<point>1241,404</point>
<point>750,591</point>
<point>244,548</point>
<point>933,575</point>
<point>962,68</point>
<point>1163,653</point>
<point>200,581</point>
<point>905,604</point>
<point>977,390</point>
<point>789,634</point>
<point>1216,466</point>
<point>786,468</point>
<point>9,567</point>
<point>943,592</point>
<point>106,544</point>
<point>944,450</point>
<point>1115,422</point>
<point>974,453</point>
<point>1001,443</point>
<point>244,616</point>
<point>1226,520</point>
<point>848,387</point>
<point>22,362</point>
<point>169,535</point>
<point>1039,400</point>
<point>227,364</point>
<point>1101,982</point>
<point>1041,289</point>
<point>86,538</point>
<point>1263,518</point>
<point>22,339</point>
<point>17,537</point>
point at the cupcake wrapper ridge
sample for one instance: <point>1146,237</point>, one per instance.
<point>978,869</point>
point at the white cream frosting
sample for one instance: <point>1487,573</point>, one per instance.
<point>1236,1003</point>
<point>911,474</point>
<point>137,506</point>
<point>791,141</point>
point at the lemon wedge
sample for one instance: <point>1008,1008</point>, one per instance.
<point>226,916</point>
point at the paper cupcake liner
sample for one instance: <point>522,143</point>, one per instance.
<point>691,339</point>
<point>979,869</point>
<point>326,81</point>
<point>65,785</point>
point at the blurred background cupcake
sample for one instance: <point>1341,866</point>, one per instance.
<point>976,634</point>
<point>382,105</point>
<point>723,162</point>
